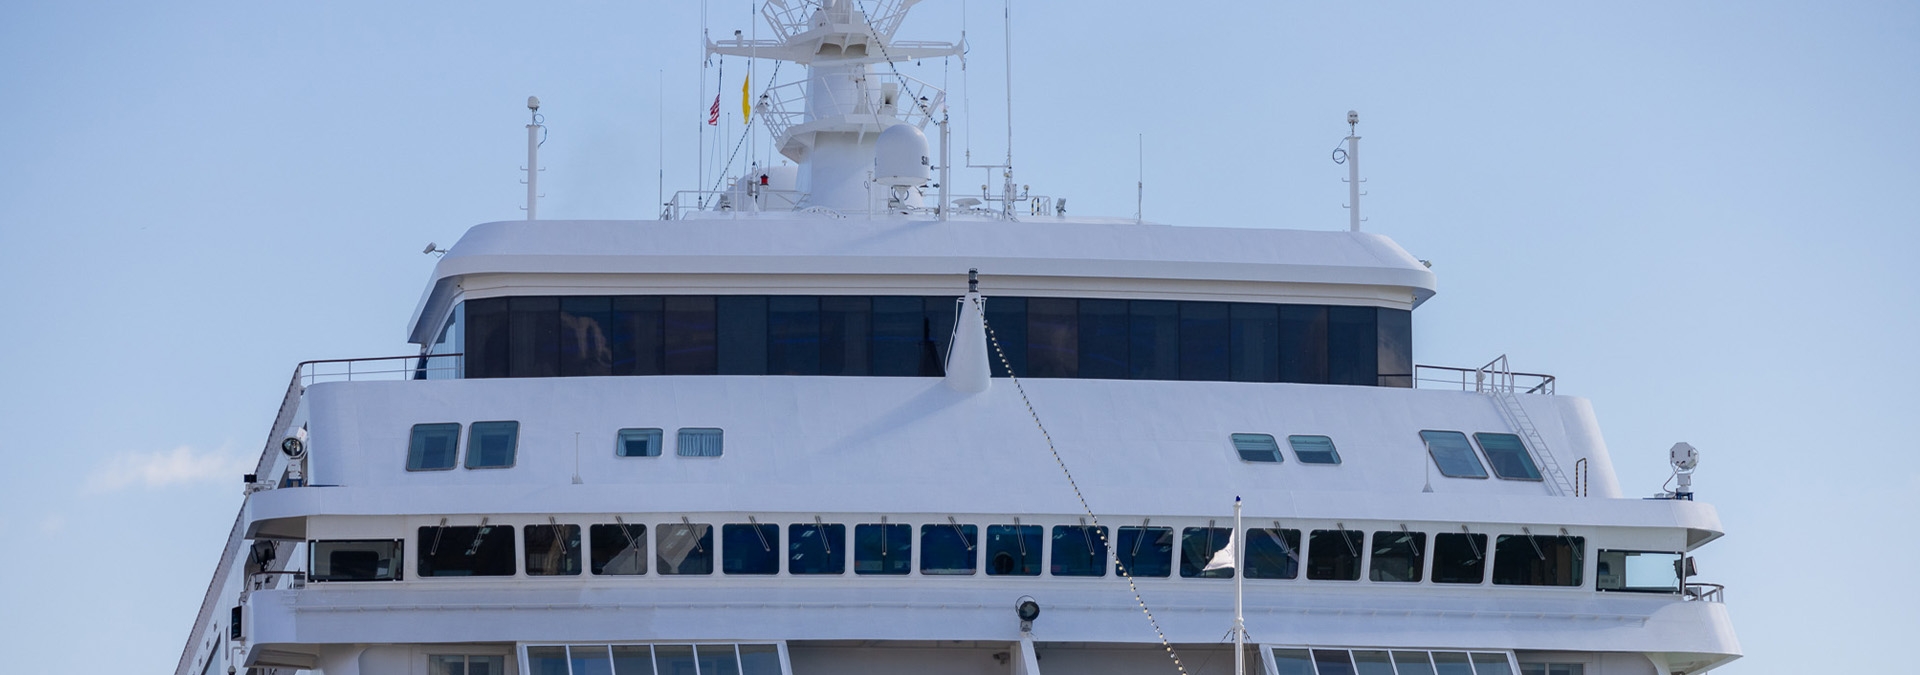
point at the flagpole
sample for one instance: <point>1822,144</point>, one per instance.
<point>1239,585</point>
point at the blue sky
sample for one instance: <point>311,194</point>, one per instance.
<point>1699,215</point>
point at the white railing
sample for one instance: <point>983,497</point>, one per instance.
<point>793,17</point>
<point>414,367</point>
<point>882,97</point>
<point>1479,380</point>
<point>759,198</point>
<point>1705,592</point>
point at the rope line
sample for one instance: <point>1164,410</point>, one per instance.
<point>1113,552</point>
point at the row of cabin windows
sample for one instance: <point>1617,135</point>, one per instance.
<point>1450,450</point>
<point>908,336</point>
<point>493,445</point>
<point>952,548</point>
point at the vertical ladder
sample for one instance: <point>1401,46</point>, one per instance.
<point>1496,381</point>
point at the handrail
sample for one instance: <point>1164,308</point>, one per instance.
<point>1464,378</point>
<point>1696,591</point>
<point>408,367</point>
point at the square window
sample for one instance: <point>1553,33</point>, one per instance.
<point>1508,456</point>
<point>490,445</point>
<point>637,443</point>
<point>948,549</point>
<point>1314,449</point>
<point>1273,553</point>
<point>816,548</point>
<point>684,548</point>
<point>1257,448</point>
<point>697,442</point>
<point>552,550</point>
<point>1334,555</point>
<point>1145,551</point>
<point>433,447</point>
<point>1079,551</point>
<point>619,548</point>
<point>1198,548</point>
<point>1013,550</point>
<point>749,548</point>
<point>1452,454</point>
<point>882,548</point>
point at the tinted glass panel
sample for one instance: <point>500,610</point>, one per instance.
<point>941,313</point>
<point>1537,560</point>
<point>946,549</point>
<point>1451,663</point>
<point>1198,545</point>
<point>742,321</point>
<point>1413,663</point>
<point>1353,350</point>
<point>1334,555</point>
<point>1203,341</point>
<point>793,334</point>
<point>1372,663</point>
<point>1154,344</point>
<point>1459,558</point>
<point>552,549</point>
<point>433,447</point>
<point>1103,339</point>
<point>1396,347</point>
<point>684,548</point>
<point>586,336</point>
<point>1491,664</point>
<point>1333,661</point>
<point>1145,551</point>
<point>691,338</point>
<point>355,560</point>
<point>758,660</point>
<point>1314,449</point>
<point>1293,662</point>
<point>1254,341</point>
<point>590,660</point>
<point>1079,551</point>
<point>700,442</point>
<point>1303,343</point>
<point>490,445</point>
<point>1452,455</point>
<point>1053,337</point>
<point>899,337</point>
<point>882,549</point>
<point>547,660</point>
<point>1013,550</point>
<point>1007,332</point>
<point>819,548</point>
<point>1508,456</point>
<point>748,548</point>
<point>638,335</point>
<point>674,659</point>
<point>1638,571</point>
<point>465,551</point>
<point>1256,447</point>
<point>619,548</point>
<point>637,443</point>
<point>717,660</point>
<point>1273,553</point>
<point>533,330</point>
<point>846,330</point>
<point>486,339</point>
<point>1397,556</point>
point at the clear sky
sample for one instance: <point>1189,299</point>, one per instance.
<point>1700,215</point>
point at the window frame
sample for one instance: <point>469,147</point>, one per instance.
<point>1478,463</point>
<point>1242,441</point>
<point>414,437</point>
<point>770,551</point>
<point>684,433</point>
<point>397,567</point>
<point>1525,454</point>
<point>513,444</point>
<point>657,438</point>
<point>1331,450</point>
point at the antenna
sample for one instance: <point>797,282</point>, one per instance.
<point>535,136</point>
<point>660,142</point>
<point>1140,179</point>
<point>1350,156</point>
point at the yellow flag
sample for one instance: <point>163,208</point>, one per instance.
<point>746,103</point>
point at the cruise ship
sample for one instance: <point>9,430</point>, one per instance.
<point>843,417</point>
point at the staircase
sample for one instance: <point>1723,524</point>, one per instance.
<point>1496,380</point>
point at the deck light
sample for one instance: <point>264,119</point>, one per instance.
<point>1028,610</point>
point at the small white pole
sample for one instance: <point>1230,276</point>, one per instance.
<point>946,161</point>
<point>1353,171</point>
<point>533,156</point>
<point>1239,585</point>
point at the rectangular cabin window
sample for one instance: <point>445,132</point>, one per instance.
<point>1491,664</point>
<point>1334,555</point>
<point>1396,347</point>
<point>1303,344</point>
<point>544,660</point>
<point>1538,560</point>
<point>485,341</point>
<point>465,551</point>
<point>882,548</point>
<point>1314,449</point>
<point>631,659</point>
<point>793,335</point>
<point>1013,550</point>
<point>1256,448</point>
<point>1007,321</point>
<point>691,337</point>
<point>637,443</point>
<point>1508,456</point>
<point>1273,553</point>
<point>816,548</point>
<point>1451,663</point>
<point>1452,455</point>
<point>1198,546</point>
<point>1203,341</point>
<point>1103,339</point>
<point>637,332</point>
<point>846,334</point>
<point>1154,339</point>
<point>490,445</point>
<point>1145,551</point>
<point>533,336</point>
<point>683,548</point>
<point>433,447</point>
<point>742,322</point>
<point>1413,663</point>
<point>749,548</point>
<point>1459,558</point>
<point>949,549</point>
<point>1053,337</point>
<point>1353,346</point>
<point>1638,571</point>
<point>700,442</point>
<point>618,548</point>
<point>900,347</point>
<point>466,664</point>
<point>586,332</point>
<point>941,312</point>
<point>1254,342</point>
<point>355,560</point>
<point>1333,661</point>
<point>552,550</point>
<point>1292,662</point>
<point>1372,662</point>
<point>1398,556</point>
<point>672,660</point>
<point>1079,551</point>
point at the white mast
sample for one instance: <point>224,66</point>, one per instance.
<point>1353,171</point>
<point>1239,595</point>
<point>533,156</point>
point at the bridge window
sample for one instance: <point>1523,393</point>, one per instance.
<point>1079,551</point>
<point>1273,553</point>
<point>1314,449</point>
<point>619,548</point>
<point>637,443</point>
<point>1145,551</point>
<point>684,548</point>
<point>1459,558</point>
<point>490,445</point>
<point>818,548</point>
<point>433,447</point>
<point>748,548</point>
<point>355,560</point>
<point>466,551</point>
<point>1334,555</point>
<point>700,442</point>
<point>1398,556</point>
<point>1013,550</point>
<point>1198,546</point>
<point>1256,448</point>
<point>552,549</point>
<point>466,664</point>
<point>882,548</point>
<point>1452,454</point>
<point>1638,571</point>
<point>643,659</point>
<point>948,549</point>
<point>1508,456</point>
<point>1538,560</point>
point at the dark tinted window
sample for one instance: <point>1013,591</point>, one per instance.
<point>1007,330</point>
<point>637,443</point>
<point>1198,546</point>
<point>432,447</point>
<point>533,329</point>
<point>683,548</point>
<point>817,548</point>
<point>465,551</point>
<point>1538,560</point>
<point>1103,339</point>
<point>1314,449</point>
<point>1353,349</point>
<point>1256,447</point>
<point>882,549</point>
<point>586,336</point>
<point>1334,555</point>
<point>1079,551</point>
<point>1397,556</point>
<point>552,549</point>
<point>1459,558</point>
<point>619,548</point>
<point>1053,337</point>
<point>1154,339</point>
<point>1452,455</point>
<point>1254,341</point>
<point>690,338</point>
<point>1508,456</point>
<point>1145,551</point>
<point>940,313</point>
<point>1273,553</point>
<point>845,326</point>
<point>490,445</point>
<point>1396,347</point>
<point>748,548</point>
<point>948,549</point>
<point>355,560</point>
<point>487,341</point>
<point>638,334</point>
<point>1303,343</point>
<point>900,331</point>
<point>1203,341</point>
<point>742,322</point>
<point>793,335</point>
<point>1013,550</point>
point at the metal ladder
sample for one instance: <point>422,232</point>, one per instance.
<point>1496,381</point>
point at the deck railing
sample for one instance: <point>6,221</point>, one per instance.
<point>1485,379</point>
<point>1705,592</point>
<point>410,367</point>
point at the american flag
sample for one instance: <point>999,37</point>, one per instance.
<point>713,114</point>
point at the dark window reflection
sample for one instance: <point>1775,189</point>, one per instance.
<point>533,331</point>
<point>1007,317</point>
<point>690,335</point>
<point>1254,342</point>
<point>1053,337</point>
<point>845,324</point>
<point>638,334</point>
<point>742,321</point>
<point>1303,344</point>
<point>1154,333</point>
<point>898,326</point>
<point>1145,551</point>
<point>1353,349</point>
<point>1396,347</point>
<point>586,336</point>
<point>1103,339</point>
<point>1203,341</point>
<point>793,335</point>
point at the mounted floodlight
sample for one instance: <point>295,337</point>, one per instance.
<point>1684,457</point>
<point>533,103</point>
<point>1028,610</point>
<point>293,447</point>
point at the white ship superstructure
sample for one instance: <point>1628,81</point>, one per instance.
<point>833,420</point>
